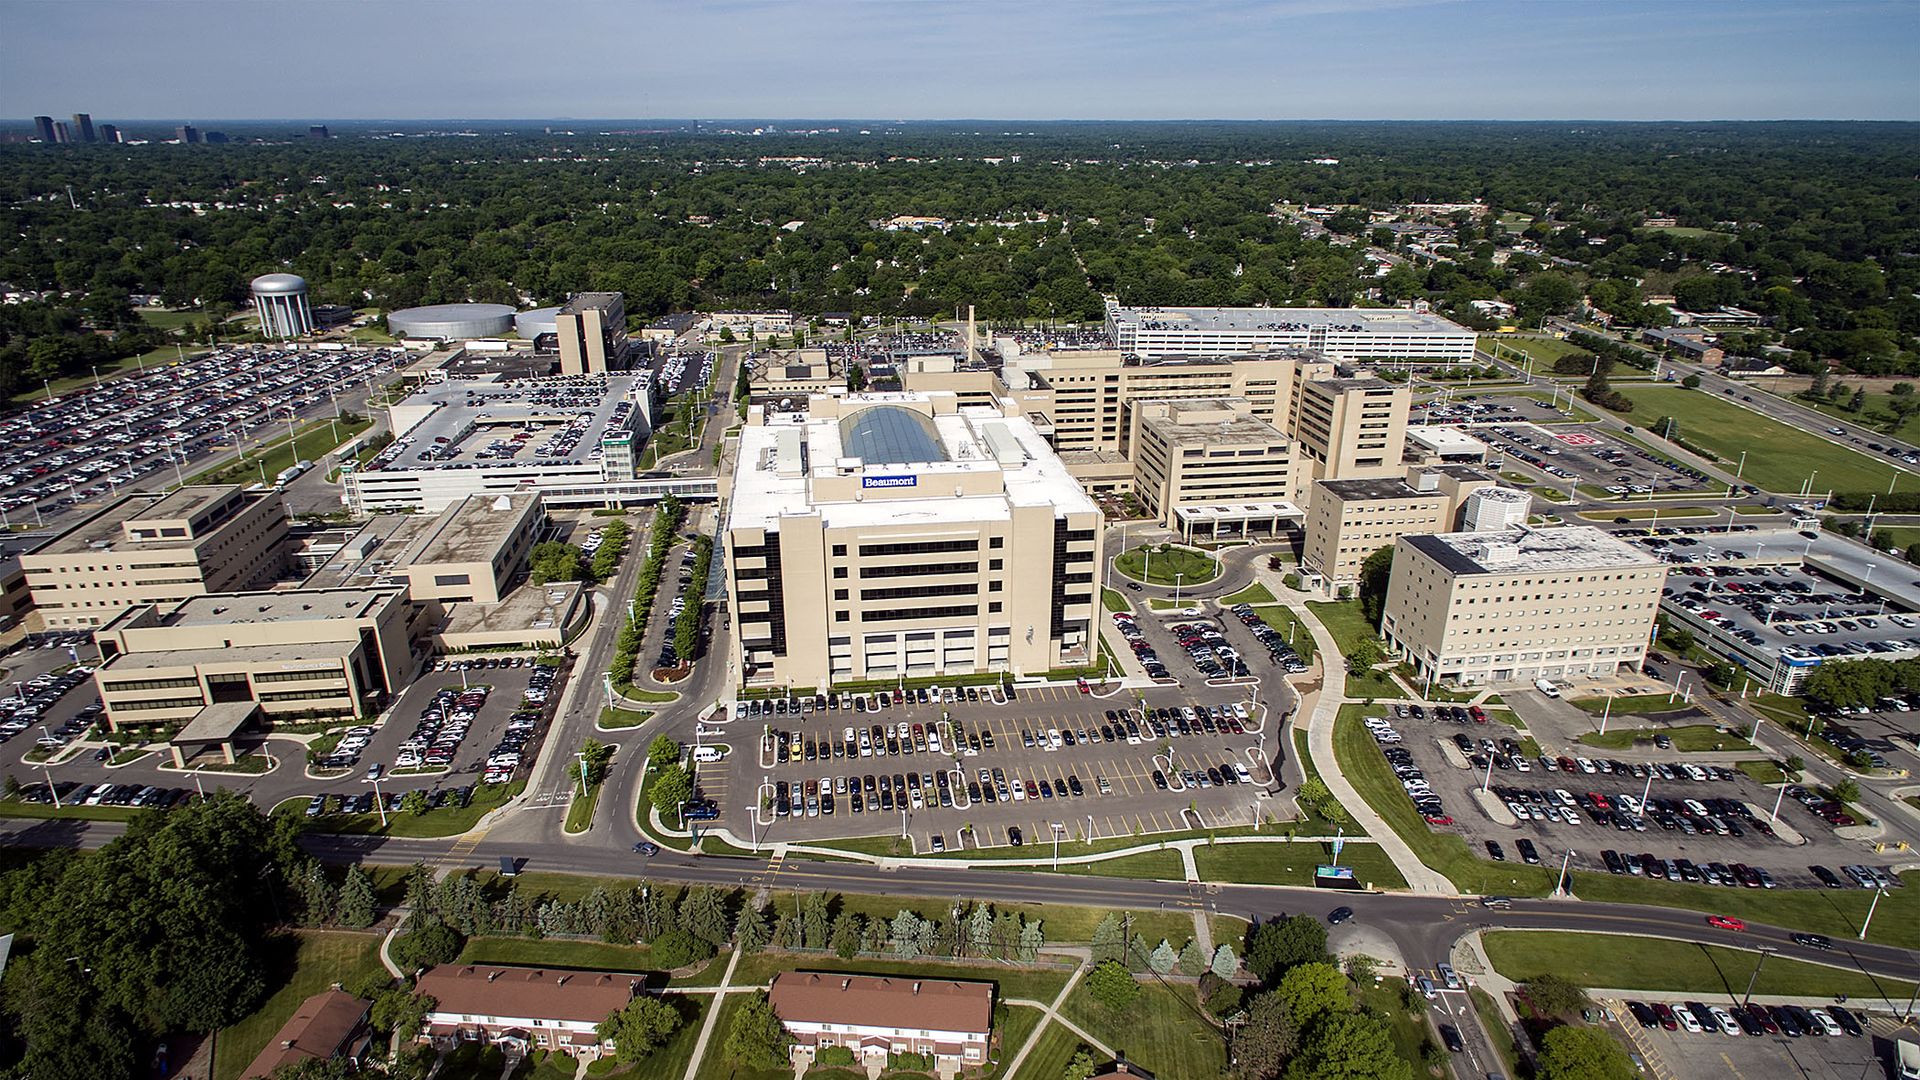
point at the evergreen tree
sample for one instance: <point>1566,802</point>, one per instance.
<point>846,937</point>
<point>1163,958</point>
<point>1224,962</point>
<point>1031,938</point>
<point>750,930</point>
<point>318,897</point>
<point>814,922</point>
<point>906,935</point>
<point>1193,959</point>
<point>1106,944</point>
<point>358,906</point>
<point>980,929</point>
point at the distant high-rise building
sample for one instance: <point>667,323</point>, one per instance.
<point>215,138</point>
<point>187,133</point>
<point>317,131</point>
<point>83,126</point>
<point>61,133</point>
<point>43,127</point>
<point>109,133</point>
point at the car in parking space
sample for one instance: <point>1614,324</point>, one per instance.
<point>1643,1013</point>
<point>1014,836</point>
<point>1528,852</point>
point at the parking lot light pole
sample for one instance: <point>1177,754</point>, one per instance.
<point>1606,712</point>
<point>1488,782</point>
<point>1777,799</point>
<point>1089,828</point>
<point>1177,579</point>
<point>1868,921</point>
<point>1566,861</point>
<point>51,790</point>
<point>1058,828</point>
<point>581,756</point>
<point>1765,951</point>
<point>379,802</point>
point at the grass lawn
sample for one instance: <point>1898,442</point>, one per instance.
<point>580,811</point>
<point>1033,983</point>
<point>670,1061</point>
<point>1349,627</point>
<point>1497,1029</point>
<point>1048,1060</point>
<point>623,718</point>
<point>556,952</point>
<point>1638,704</point>
<point>314,441</point>
<point>1779,457</point>
<point>1544,350</point>
<point>1407,1027</point>
<point>1689,737</point>
<point>1615,961</point>
<point>1255,593</point>
<point>636,693</point>
<point>1763,772</point>
<point>1161,567</point>
<point>1160,1030</point>
<point>1153,865</point>
<point>1640,514</point>
<point>310,961</point>
<point>168,320</point>
<point>716,1065</point>
<point>1282,618</point>
<point>1292,864</point>
<point>1113,600</point>
<point>434,823</point>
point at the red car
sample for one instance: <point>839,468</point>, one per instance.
<point>1082,684</point>
<point>1725,922</point>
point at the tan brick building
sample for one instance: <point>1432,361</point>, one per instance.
<point>157,549</point>
<point>1348,520</point>
<point>1521,604</point>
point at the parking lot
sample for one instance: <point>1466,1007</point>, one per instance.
<point>683,371</point>
<point>1642,812</point>
<point>1011,769</point>
<point>1735,1043</point>
<point>88,444</point>
<point>1588,455</point>
<point>1460,405</point>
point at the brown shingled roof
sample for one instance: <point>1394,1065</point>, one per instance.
<point>318,1029</point>
<point>528,993</point>
<point>881,1001</point>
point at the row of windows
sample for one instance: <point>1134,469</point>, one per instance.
<point>952,611</point>
<point>159,703</point>
<point>147,684</point>
<point>297,676</point>
<point>304,695</point>
<point>904,592</point>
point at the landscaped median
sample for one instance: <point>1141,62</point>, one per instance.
<point>1630,962</point>
<point>1166,564</point>
<point>1687,738</point>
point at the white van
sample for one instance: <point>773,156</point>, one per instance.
<point>708,754</point>
<point>1546,688</point>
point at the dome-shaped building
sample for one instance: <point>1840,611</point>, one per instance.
<point>448,322</point>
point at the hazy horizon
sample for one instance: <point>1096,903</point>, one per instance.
<point>987,61</point>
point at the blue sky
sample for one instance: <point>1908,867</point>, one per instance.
<point>918,59</point>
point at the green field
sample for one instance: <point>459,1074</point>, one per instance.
<point>1160,1030</point>
<point>1409,1030</point>
<point>1779,458</point>
<point>433,823</point>
<point>1161,567</point>
<point>1688,738</point>
<point>715,1065</point>
<point>309,962</point>
<point>1050,1055</point>
<point>1620,962</point>
<point>1875,412</point>
<point>263,463</point>
<point>1009,1036</point>
<point>1255,593</point>
<point>1544,350</point>
<point>1636,704</point>
<point>623,718</point>
<point>169,320</point>
<point>1349,627</point>
<point>1292,864</point>
<point>1648,514</point>
<point>1113,600</point>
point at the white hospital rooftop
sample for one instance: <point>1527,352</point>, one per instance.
<point>896,459</point>
<point>1567,549</point>
<point>1377,320</point>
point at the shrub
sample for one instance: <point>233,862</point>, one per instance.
<point>677,948</point>
<point>834,1056</point>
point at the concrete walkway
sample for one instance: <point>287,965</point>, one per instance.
<point>1331,697</point>
<point>1049,1013</point>
<point>712,1017</point>
<point>386,955</point>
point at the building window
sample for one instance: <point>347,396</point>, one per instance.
<point>840,616</point>
<point>840,551</point>
<point>839,594</point>
<point>839,571</point>
<point>993,607</point>
<point>996,542</point>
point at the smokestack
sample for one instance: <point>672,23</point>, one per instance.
<point>970,337</point>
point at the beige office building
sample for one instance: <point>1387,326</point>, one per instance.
<point>474,550</point>
<point>1521,604</point>
<point>592,330</point>
<point>1349,520</point>
<point>304,654</point>
<point>157,549</point>
<point>878,536</point>
<point>1209,466</point>
<point>1352,429</point>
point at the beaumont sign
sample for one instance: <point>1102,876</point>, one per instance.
<point>888,481</point>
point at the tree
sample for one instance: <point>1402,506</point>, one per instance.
<point>1106,943</point>
<point>1193,959</point>
<point>1582,1053</point>
<point>1375,573</point>
<point>847,935</point>
<point>1858,401</point>
<point>1312,991</point>
<point>1225,963</point>
<point>1555,995</point>
<point>316,1069</point>
<point>1278,945</point>
<point>672,786</point>
<point>430,942</point>
<point>1112,985</point>
<point>553,560</point>
<point>1163,958</point>
<point>415,802</point>
<point>1081,1067</point>
<point>1364,654</point>
<point>1691,382</point>
<point>358,906</point>
<point>757,1038</point>
<point>906,935</point>
<point>704,915</point>
<point>400,1012</point>
<point>640,1028</point>
<point>750,930</point>
<point>1348,1046</point>
<point>598,756</point>
<point>1262,1045</point>
<point>1847,790</point>
<point>662,750</point>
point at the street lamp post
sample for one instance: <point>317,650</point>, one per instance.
<point>1765,951</point>
<point>581,756</point>
<point>1058,828</point>
<point>1868,921</point>
<point>51,790</point>
<point>379,801</point>
<point>1606,712</point>
<point>1177,579</point>
<point>1561,885</point>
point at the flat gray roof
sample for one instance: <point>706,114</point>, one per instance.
<point>1526,550</point>
<point>216,723</point>
<point>103,532</point>
<point>297,605</point>
<point>470,530</point>
<point>1379,320</point>
<point>1384,488</point>
<point>564,416</point>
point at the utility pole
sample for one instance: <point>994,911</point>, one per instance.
<point>1765,951</point>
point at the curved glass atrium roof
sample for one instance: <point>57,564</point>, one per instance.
<point>889,433</point>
